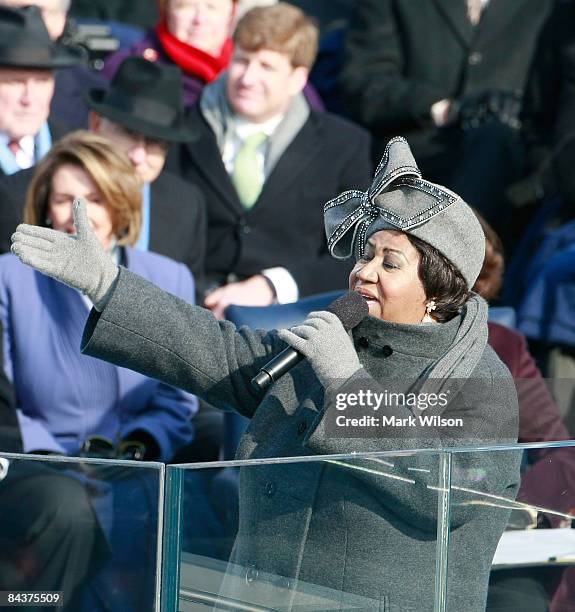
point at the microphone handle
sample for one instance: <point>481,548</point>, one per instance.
<point>276,368</point>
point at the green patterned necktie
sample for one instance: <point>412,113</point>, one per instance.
<point>247,176</point>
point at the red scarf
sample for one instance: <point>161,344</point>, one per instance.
<point>191,60</point>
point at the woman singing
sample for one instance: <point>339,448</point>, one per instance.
<point>364,528</point>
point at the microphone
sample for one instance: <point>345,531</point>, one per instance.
<point>351,309</point>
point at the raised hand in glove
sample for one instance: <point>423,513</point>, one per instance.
<point>79,261</point>
<point>322,339</point>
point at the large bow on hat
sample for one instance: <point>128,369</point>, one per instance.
<point>397,199</point>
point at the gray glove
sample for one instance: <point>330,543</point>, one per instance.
<point>322,339</point>
<point>78,261</point>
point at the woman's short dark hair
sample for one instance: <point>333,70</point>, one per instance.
<point>442,281</point>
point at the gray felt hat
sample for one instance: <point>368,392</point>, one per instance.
<point>400,199</point>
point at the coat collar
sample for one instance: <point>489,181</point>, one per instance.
<point>424,340</point>
<point>296,158</point>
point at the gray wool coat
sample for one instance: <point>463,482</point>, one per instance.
<point>362,527</point>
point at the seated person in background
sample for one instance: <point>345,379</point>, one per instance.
<point>549,119</point>
<point>546,313</point>
<point>173,213</point>
<point>449,76</point>
<point>56,557</point>
<point>549,479</point>
<point>191,34</point>
<point>75,405</point>
<point>28,58</point>
<point>68,104</point>
<point>266,163</point>
<point>64,398</point>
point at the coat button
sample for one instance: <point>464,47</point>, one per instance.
<point>301,428</point>
<point>150,54</point>
<point>363,342</point>
<point>475,58</point>
<point>270,489</point>
<point>386,350</point>
<point>252,573</point>
<point>244,227</point>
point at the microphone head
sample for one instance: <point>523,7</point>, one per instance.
<point>351,309</point>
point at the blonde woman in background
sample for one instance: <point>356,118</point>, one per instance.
<point>70,404</point>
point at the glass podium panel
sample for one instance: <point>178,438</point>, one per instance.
<point>342,532</point>
<point>86,529</point>
<point>459,529</point>
<point>526,522</point>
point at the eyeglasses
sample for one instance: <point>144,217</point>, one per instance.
<point>151,144</point>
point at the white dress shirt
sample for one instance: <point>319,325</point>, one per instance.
<point>25,155</point>
<point>283,282</point>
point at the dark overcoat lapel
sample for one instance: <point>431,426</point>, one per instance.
<point>207,160</point>
<point>497,19</point>
<point>178,223</point>
<point>296,158</point>
<point>455,15</point>
<point>13,190</point>
<point>163,214</point>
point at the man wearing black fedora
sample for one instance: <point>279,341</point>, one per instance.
<point>68,103</point>
<point>28,59</point>
<point>142,114</point>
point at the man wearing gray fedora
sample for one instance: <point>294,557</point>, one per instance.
<point>28,59</point>
<point>142,114</point>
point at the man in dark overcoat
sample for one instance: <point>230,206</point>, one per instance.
<point>264,196</point>
<point>449,76</point>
